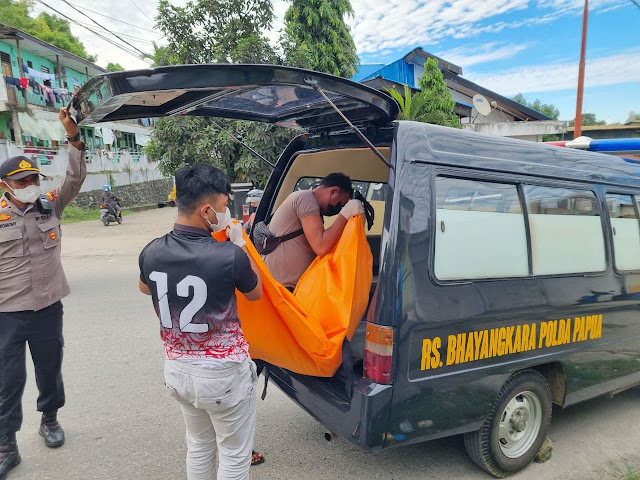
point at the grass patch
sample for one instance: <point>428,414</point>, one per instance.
<point>74,214</point>
<point>632,474</point>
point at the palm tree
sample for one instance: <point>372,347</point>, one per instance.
<point>412,107</point>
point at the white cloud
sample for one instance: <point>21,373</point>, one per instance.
<point>473,54</point>
<point>376,26</point>
<point>611,70</point>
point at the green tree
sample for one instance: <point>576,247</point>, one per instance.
<point>317,37</point>
<point>208,31</point>
<point>588,119</point>
<point>545,108</point>
<point>432,104</point>
<point>114,67</point>
<point>633,117</point>
<point>216,31</point>
<point>439,104</point>
<point>48,28</point>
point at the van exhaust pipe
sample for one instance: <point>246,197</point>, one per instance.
<point>329,435</point>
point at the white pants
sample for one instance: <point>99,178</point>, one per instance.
<point>219,409</point>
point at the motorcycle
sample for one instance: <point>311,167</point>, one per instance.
<point>109,214</point>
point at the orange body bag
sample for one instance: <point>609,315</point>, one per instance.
<point>303,332</point>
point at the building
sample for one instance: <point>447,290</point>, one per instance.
<point>37,80</point>
<point>627,130</point>
<point>507,118</point>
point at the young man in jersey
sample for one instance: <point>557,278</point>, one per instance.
<point>192,279</point>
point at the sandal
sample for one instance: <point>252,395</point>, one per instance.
<point>256,458</point>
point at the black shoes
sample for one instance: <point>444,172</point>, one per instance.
<point>51,430</point>
<point>9,455</point>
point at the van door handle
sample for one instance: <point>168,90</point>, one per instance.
<point>442,226</point>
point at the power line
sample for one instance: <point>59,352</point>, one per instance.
<point>141,11</point>
<point>125,49</point>
<point>150,42</point>
<point>118,37</point>
<point>113,18</point>
<point>119,33</point>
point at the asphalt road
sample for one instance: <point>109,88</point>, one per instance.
<point>121,424</point>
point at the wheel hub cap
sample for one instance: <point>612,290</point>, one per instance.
<point>519,424</point>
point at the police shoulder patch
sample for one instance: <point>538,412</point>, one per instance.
<point>53,194</point>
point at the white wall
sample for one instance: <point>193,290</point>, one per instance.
<point>98,170</point>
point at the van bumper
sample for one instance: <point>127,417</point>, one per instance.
<point>362,420</point>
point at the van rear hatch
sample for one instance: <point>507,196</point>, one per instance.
<point>285,96</point>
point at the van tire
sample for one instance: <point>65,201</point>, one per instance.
<point>527,387</point>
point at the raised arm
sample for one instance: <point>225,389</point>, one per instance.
<point>321,240</point>
<point>77,167</point>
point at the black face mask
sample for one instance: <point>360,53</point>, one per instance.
<point>332,210</point>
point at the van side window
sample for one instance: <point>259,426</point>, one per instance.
<point>625,231</point>
<point>480,230</point>
<point>566,231</point>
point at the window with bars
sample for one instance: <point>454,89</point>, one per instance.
<point>44,69</point>
<point>5,58</point>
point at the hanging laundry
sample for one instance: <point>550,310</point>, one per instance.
<point>41,75</point>
<point>37,88</point>
<point>24,82</point>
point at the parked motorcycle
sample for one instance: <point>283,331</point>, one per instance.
<point>109,214</point>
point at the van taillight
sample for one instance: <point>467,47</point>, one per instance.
<point>378,352</point>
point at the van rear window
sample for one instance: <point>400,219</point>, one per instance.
<point>625,230</point>
<point>480,230</point>
<point>566,230</point>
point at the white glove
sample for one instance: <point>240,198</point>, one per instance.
<point>352,208</point>
<point>234,232</point>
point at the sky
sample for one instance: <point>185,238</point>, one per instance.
<point>508,46</point>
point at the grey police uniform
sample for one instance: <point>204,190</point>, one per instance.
<point>32,283</point>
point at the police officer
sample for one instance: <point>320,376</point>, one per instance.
<point>32,283</point>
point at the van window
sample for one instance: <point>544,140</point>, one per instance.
<point>566,231</point>
<point>480,230</point>
<point>625,231</point>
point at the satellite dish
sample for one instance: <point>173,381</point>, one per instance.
<point>481,104</point>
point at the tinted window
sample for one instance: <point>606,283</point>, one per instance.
<point>625,231</point>
<point>566,231</point>
<point>480,230</point>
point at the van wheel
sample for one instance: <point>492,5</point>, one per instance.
<point>514,431</point>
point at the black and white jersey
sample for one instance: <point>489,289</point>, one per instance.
<point>192,278</point>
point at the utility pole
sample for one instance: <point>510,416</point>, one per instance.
<point>578,121</point>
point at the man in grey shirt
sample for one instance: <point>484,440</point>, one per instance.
<point>304,210</point>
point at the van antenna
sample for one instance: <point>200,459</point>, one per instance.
<point>234,138</point>
<point>355,129</point>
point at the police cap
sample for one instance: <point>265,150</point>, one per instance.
<point>19,167</point>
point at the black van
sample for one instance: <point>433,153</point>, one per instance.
<point>507,273</point>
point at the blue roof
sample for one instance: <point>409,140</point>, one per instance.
<point>364,70</point>
<point>398,71</point>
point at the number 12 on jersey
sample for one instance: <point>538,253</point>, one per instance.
<point>182,289</point>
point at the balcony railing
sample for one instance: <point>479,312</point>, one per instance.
<point>26,98</point>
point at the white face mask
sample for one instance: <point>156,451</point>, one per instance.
<point>27,194</point>
<point>224,219</point>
